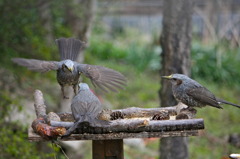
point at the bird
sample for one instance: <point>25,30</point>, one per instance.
<point>86,108</point>
<point>192,93</point>
<point>69,71</point>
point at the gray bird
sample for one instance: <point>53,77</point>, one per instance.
<point>69,71</point>
<point>193,94</point>
<point>85,109</point>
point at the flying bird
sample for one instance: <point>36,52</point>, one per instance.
<point>69,71</point>
<point>85,109</point>
<point>193,94</point>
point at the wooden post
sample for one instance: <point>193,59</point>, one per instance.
<point>107,149</point>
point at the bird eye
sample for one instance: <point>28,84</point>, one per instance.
<point>64,66</point>
<point>174,79</point>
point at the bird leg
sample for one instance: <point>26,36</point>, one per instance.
<point>75,88</point>
<point>62,89</point>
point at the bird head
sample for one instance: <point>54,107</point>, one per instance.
<point>68,65</point>
<point>83,86</point>
<point>176,79</point>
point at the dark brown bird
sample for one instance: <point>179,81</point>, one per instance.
<point>85,109</point>
<point>69,71</point>
<point>193,94</point>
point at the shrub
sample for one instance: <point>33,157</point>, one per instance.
<point>217,63</point>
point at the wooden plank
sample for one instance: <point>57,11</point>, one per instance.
<point>32,136</point>
<point>107,149</point>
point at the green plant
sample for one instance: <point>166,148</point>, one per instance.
<point>143,57</point>
<point>14,143</point>
<point>217,63</point>
<point>136,53</point>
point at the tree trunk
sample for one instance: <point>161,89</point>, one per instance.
<point>175,41</point>
<point>210,27</point>
<point>79,14</point>
<point>44,9</point>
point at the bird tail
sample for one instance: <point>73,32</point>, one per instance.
<point>86,121</point>
<point>229,103</point>
<point>69,48</point>
<point>93,121</point>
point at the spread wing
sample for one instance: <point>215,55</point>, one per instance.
<point>105,78</point>
<point>37,65</point>
<point>204,96</point>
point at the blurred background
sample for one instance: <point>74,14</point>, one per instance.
<point>122,35</point>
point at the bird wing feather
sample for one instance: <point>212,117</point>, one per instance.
<point>37,65</point>
<point>79,106</point>
<point>102,77</point>
<point>85,103</point>
<point>204,96</point>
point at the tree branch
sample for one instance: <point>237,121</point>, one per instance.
<point>139,125</point>
<point>40,125</point>
<point>127,113</point>
<point>40,107</point>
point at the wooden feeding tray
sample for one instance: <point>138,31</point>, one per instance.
<point>107,141</point>
<point>166,128</point>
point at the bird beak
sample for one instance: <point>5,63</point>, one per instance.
<point>167,77</point>
<point>71,69</point>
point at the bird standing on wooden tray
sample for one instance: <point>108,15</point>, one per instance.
<point>193,94</point>
<point>85,109</point>
<point>69,71</point>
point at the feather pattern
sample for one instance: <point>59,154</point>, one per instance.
<point>69,48</point>
<point>204,96</point>
<point>37,65</point>
<point>105,78</point>
<point>86,108</point>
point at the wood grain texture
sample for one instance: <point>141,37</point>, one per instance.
<point>131,112</point>
<point>159,129</point>
<point>32,136</point>
<point>140,125</point>
<point>107,149</point>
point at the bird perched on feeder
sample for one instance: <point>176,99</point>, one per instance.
<point>85,109</point>
<point>69,71</point>
<point>193,94</point>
